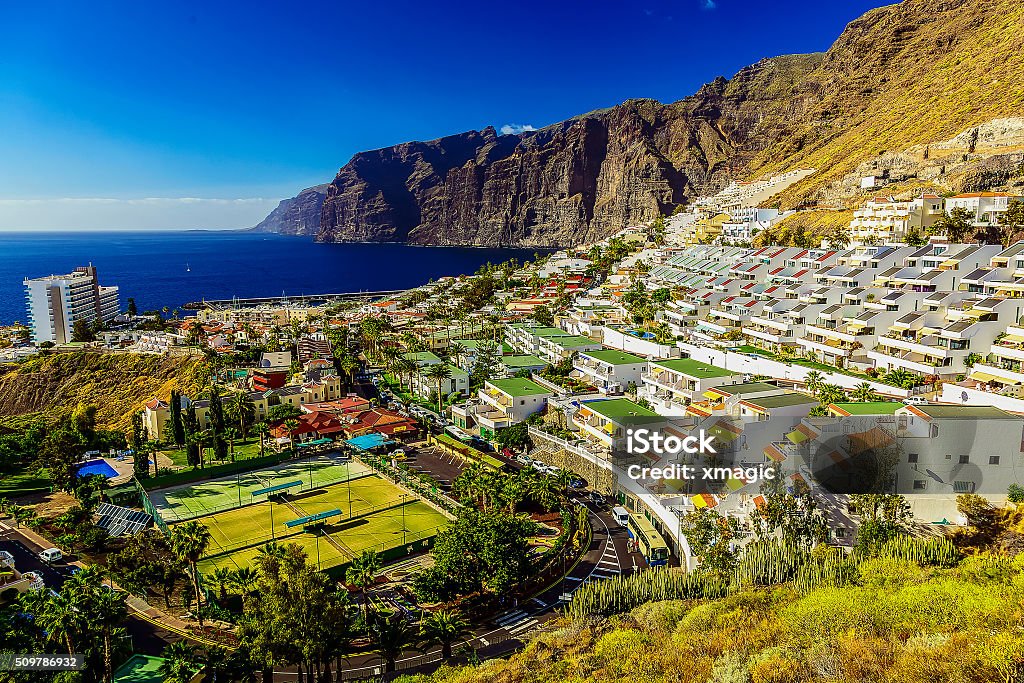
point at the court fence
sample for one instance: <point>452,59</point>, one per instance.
<point>148,506</point>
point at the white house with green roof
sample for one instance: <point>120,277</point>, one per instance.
<point>505,402</point>
<point>672,385</point>
<point>422,358</point>
<point>604,422</point>
<point>556,349</point>
<point>456,382</point>
<point>517,363</point>
<point>609,370</point>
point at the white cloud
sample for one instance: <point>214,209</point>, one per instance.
<point>515,128</point>
<point>143,213</point>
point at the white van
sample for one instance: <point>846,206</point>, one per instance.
<point>51,555</point>
<point>462,436</point>
<point>621,515</point>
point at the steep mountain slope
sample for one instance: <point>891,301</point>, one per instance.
<point>899,76</point>
<point>299,215</point>
<point>116,383</point>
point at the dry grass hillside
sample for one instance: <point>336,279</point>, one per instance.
<point>117,384</point>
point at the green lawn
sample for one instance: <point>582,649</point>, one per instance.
<point>250,448</point>
<point>24,482</point>
<point>378,515</point>
<point>813,364</point>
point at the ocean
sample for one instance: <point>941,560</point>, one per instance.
<point>170,269</point>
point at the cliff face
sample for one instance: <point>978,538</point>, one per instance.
<point>899,76</point>
<point>299,215</point>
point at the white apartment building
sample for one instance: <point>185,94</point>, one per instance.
<point>609,370</point>
<point>56,302</point>
<point>985,207</point>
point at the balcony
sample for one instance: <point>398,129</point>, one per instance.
<point>1007,373</point>
<point>926,346</point>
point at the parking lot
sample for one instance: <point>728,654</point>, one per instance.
<point>443,467</point>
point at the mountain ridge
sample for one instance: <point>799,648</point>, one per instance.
<point>898,76</point>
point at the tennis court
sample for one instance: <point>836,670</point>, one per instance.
<point>196,500</point>
<point>382,517</point>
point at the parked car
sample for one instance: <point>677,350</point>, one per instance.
<point>51,555</point>
<point>915,401</point>
<point>524,459</point>
<point>596,498</point>
<point>539,466</point>
<point>481,444</point>
<point>552,471</point>
<point>576,482</point>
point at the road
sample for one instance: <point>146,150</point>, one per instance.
<point>146,637</point>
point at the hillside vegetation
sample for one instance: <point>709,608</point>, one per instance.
<point>116,383</point>
<point>895,622</point>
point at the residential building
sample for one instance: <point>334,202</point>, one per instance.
<point>504,402</point>
<point>608,370</point>
<point>672,385</point>
<point>57,302</point>
<point>984,207</point>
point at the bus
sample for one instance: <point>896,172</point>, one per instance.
<point>648,540</point>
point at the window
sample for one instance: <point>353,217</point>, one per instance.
<point>920,484</point>
<point>912,457</point>
<point>993,460</point>
<point>965,459</point>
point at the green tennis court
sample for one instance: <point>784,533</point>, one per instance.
<point>382,517</point>
<point>204,498</point>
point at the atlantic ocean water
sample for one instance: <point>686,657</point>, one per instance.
<point>169,269</point>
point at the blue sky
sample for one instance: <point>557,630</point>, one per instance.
<point>173,104</point>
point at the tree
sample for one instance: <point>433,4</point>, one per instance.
<point>439,373</point>
<point>132,309</point>
<point>362,573</point>
<point>914,238</point>
<point>1012,219</point>
<point>262,430</point>
<point>193,452</point>
<point>1015,494</point>
<point>831,393</point>
<point>478,551</point>
<point>181,662</point>
<point>81,332</point>
<point>243,411</point>
<point>864,393</point>
<point>794,515</point>
<point>218,424</point>
<point>391,635</point>
<point>189,541</point>
<point>814,381</point>
<point>514,436</point>
<point>971,358</point>
<point>711,537</point>
<point>291,425</point>
<point>956,224</point>
<point>444,628</point>
<point>883,516</point>
<point>177,423</point>
<point>542,316</point>
<point>140,456</point>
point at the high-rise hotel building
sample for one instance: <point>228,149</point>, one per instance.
<point>55,302</point>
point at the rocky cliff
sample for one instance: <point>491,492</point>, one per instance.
<point>901,75</point>
<point>299,215</point>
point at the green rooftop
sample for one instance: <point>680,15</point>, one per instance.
<point>518,386</point>
<point>140,669</point>
<point>966,412</point>
<point>572,342</point>
<point>613,357</point>
<point>522,362</point>
<point>782,400</point>
<point>422,357</point>
<point>694,368</point>
<point>619,409</point>
<point>745,388</point>
<point>868,408</point>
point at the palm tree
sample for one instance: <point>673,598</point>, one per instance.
<point>244,580</point>
<point>262,429</point>
<point>391,636</point>
<point>349,366</point>
<point>181,662</point>
<point>813,381</point>
<point>406,368</point>
<point>457,351</point>
<point>444,628</point>
<point>60,619</point>
<point>231,434</point>
<point>223,577</point>
<point>362,574</point>
<point>900,377</point>
<point>831,393</point>
<point>439,372</point>
<point>864,393</point>
<point>243,411</point>
<point>189,541</point>
<point>291,425</point>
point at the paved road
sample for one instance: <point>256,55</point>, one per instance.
<point>147,638</point>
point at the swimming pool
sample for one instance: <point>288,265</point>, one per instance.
<point>97,466</point>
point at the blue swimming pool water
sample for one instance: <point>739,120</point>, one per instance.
<point>98,466</point>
